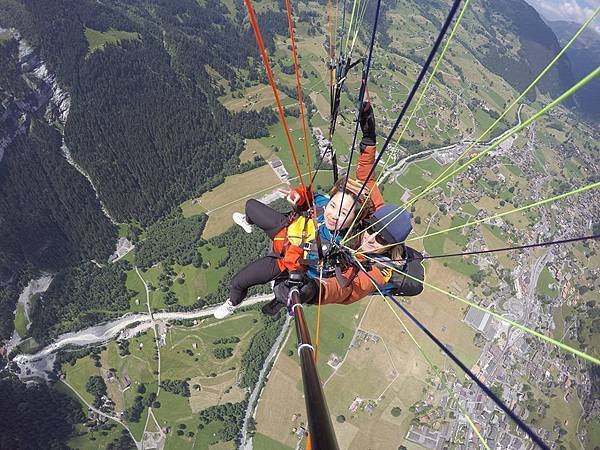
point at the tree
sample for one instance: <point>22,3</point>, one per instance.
<point>96,386</point>
<point>180,387</point>
<point>396,411</point>
<point>341,418</point>
<point>223,352</point>
<point>141,388</point>
<point>35,415</point>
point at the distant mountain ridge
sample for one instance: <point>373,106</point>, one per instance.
<point>584,55</point>
<point>520,45</point>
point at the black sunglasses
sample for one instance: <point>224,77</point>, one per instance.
<point>375,229</point>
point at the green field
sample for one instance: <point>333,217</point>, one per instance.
<point>217,377</point>
<point>78,375</point>
<point>98,39</point>
<point>178,364</point>
<point>338,323</point>
<point>434,245</point>
<point>21,321</point>
<point>135,284</point>
<point>86,439</point>
<point>544,281</point>
<point>263,442</point>
<point>200,281</point>
<point>138,367</point>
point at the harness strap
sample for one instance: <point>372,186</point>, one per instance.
<point>343,282</point>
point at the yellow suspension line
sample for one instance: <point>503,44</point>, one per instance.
<point>435,369</point>
<point>496,216</point>
<point>350,26</point>
<point>512,132</point>
<point>515,102</point>
<point>417,106</point>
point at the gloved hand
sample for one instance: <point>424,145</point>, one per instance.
<point>367,125</point>
<point>309,291</point>
<point>299,198</point>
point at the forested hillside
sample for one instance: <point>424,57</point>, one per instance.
<point>54,415</point>
<point>144,121</point>
<point>512,41</point>
<point>49,215</point>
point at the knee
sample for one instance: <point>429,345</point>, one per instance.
<point>412,289</point>
<point>237,283</point>
<point>251,209</point>
<point>252,204</point>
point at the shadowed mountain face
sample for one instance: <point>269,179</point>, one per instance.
<point>511,40</point>
<point>584,55</point>
<point>144,123</point>
<point>49,213</point>
<point>521,45</point>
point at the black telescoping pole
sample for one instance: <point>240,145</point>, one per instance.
<point>320,427</point>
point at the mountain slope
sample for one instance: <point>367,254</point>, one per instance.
<point>49,213</point>
<point>144,123</point>
<point>519,45</point>
<point>585,57</point>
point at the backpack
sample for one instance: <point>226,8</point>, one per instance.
<point>398,283</point>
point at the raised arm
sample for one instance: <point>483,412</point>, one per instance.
<point>368,151</point>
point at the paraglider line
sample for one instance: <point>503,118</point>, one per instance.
<point>495,315</point>
<point>581,83</point>
<point>361,96</point>
<point>410,97</point>
<point>502,249</point>
<point>416,108</point>
<point>534,437</point>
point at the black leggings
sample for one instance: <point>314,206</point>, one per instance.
<point>265,269</point>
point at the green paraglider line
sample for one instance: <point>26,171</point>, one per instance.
<point>417,106</point>
<point>498,401</point>
<point>581,83</point>
<point>437,372</point>
<point>537,334</point>
<point>512,211</point>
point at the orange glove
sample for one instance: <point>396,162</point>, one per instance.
<point>299,197</point>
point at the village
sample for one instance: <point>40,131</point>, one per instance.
<point>524,371</point>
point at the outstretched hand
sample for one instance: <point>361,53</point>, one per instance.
<point>292,196</point>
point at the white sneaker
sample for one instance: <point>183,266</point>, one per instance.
<point>224,310</point>
<point>240,219</point>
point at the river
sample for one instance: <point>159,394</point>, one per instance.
<point>35,286</point>
<point>39,364</point>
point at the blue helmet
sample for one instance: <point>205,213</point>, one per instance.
<point>394,224</point>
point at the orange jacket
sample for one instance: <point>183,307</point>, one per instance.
<point>359,288</point>
<point>291,254</point>
<point>365,162</point>
<point>361,285</point>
